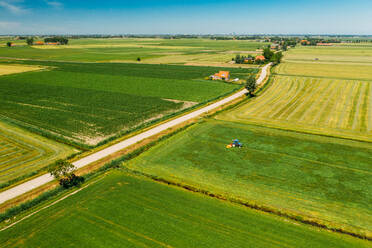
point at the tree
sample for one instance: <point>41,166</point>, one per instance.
<point>139,59</point>
<point>9,44</point>
<point>30,41</point>
<point>63,171</point>
<point>277,57</point>
<point>251,85</point>
<point>267,53</point>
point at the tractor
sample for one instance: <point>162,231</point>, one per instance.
<point>235,143</point>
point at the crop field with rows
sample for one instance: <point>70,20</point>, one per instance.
<point>286,172</point>
<point>125,211</point>
<point>22,153</point>
<point>317,105</point>
<point>88,103</point>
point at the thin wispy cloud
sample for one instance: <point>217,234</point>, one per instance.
<point>7,26</point>
<point>13,6</point>
<point>54,4</point>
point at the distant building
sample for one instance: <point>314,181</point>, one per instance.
<point>324,44</point>
<point>248,60</point>
<point>222,75</point>
<point>274,46</point>
<point>260,57</point>
<point>39,43</point>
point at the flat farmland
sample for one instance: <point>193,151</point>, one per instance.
<point>180,51</point>
<point>350,71</point>
<point>286,172</point>
<point>317,105</point>
<point>125,211</point>
<point>22,153</point>
<point>346,53</point>
<point>87,103</point>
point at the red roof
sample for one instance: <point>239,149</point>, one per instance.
<point>260,57</point>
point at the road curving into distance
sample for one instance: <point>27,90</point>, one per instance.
<point>46,178</point>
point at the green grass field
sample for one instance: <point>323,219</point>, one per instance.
<point>285,171</point>
<point>88,103</point>
<point>345,53</point>
<point>346,71</point>
<point>317,105</point>
<point>125,211</point>
<point>195,51</point>
<point>22,153</point>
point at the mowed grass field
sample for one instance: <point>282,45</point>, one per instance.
<point>13,69</point>
<point>346,71</point>
<point>22,153</point>
<point>180,51</point>
<point>326,180</point>
<point>125,211</point>
<point>345,53</point>
<point>317,105</point>
<point>90,102</point>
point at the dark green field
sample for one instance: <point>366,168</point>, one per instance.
<point>88,102</point>
<point>285,171</point>
<point>124,211</point>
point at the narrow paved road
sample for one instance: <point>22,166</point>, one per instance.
<point>41,180</point>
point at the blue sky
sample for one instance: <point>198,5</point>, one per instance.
<point>186,16</point>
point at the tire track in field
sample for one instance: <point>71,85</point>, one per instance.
<point>324,103</point>
<point>287,99</point>
<point>268,106</point>
<point>284,98</point>
<point>369,118</point>
<point>307,91</point>
<point>312,109</point>
<point>340,103</point>
<point>348,102</point>
<point>358,106</point>
<point>301,108</point>
<point>331,114</point>
<point>257,105</point>
<point>354,104</point>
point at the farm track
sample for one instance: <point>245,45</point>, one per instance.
<point>46,178</point>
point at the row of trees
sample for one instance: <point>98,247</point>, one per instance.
<point>60,40</point>
<point>314,42</point>
<point>243,59</point>
<point>270,56</point>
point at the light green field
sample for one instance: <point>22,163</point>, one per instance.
<point>316,105</point>
<point>124,211</point>
<point>326,70</point>
<point>322,179</point>
<point>22,153</point>
<point>357,53</point>
<point>180,51</point>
